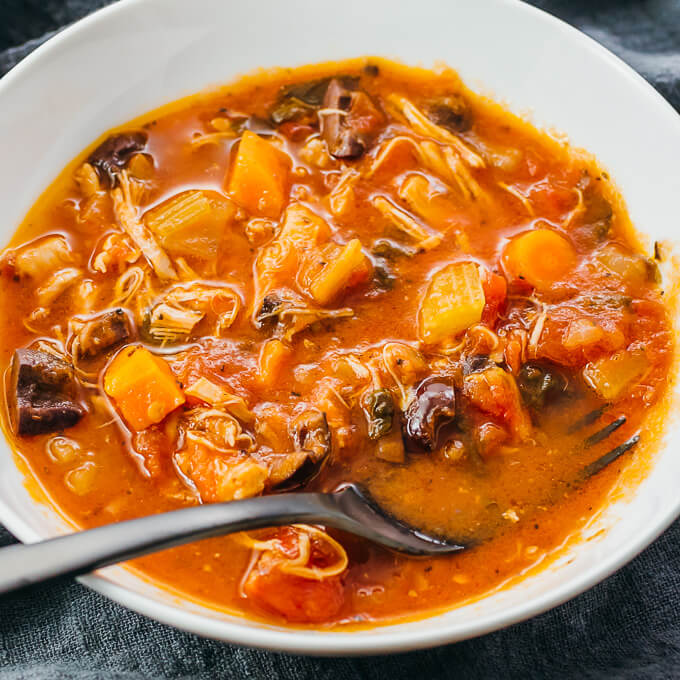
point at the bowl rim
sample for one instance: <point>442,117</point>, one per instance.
<point>381,639</point>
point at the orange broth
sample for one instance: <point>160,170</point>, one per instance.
<point>504,473</point>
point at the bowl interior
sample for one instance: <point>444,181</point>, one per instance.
<point>139,54</point>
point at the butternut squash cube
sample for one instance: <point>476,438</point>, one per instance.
<point>453,302</point>
<point>142,386</point>
<point>258,180</point>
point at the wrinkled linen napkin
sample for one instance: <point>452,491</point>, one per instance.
<point>626,627</point>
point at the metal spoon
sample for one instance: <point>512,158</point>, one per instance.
<point>350,509</point>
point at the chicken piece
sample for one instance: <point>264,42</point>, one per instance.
<point>219,477</point>
<point>42,258</point>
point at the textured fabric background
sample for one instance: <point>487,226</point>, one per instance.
<point>627,627</point>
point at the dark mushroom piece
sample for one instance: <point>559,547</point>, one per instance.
<point>301,101</point>
<point>595,219</point>
<point>113,155</point>
<point>451,113</point>
<point>379,409</point>
<point>349,121</point>
<point>540,383</point>
<point>268,313</point>
<point>103,332</point>
<point>312,439</point>
<point>476,363</point>
<point>391,250</point>
<point>383,276</point>
<point>43,392</point>
<point>432,408</point>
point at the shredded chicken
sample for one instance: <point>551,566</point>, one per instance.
<point>57,284</point>
<point>115,253</point>
<point>41,258</point>
<point>536,332</point>
<point>217,430</point>
<point>341,199</point>
<point>183,306</point>
<point>222,128</point>
<point>219,397</point>
<point>298,565</point>
<point>422,125</point>
<point>170,324</point>
<point>127,285</point>
<point>426,239</point>
<point>127,214</point>
<point>519,196</point>
<point>296,319</point>
<point>442,160</point>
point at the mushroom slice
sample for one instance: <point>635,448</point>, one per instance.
<point>432,407</point>
<point>114,154</point>
<point>312,438</point>
<point>349,119</point>
<point>42,396</point>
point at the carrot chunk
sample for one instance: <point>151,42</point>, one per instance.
<point>273,356</point>
<point>258,180</point>
<point>143,387</point>
<point>540,257</point>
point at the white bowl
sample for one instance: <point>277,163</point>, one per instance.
<point>139,54</point>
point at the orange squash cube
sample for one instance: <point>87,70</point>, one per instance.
<point>143,387</point>
<point>258,180</point>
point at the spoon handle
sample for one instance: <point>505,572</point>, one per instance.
<point>83,551</point>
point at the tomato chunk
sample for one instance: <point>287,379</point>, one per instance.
<point>297,599</point>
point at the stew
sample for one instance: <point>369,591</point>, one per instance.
<point>348,272</point>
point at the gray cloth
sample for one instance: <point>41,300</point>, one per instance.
<point>627,627</point>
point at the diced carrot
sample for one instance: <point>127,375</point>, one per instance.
<point>350,267</point>
<point>272,357</point>
<point>142,386</point>
<point>540,257</point>
<point>258,180</point>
